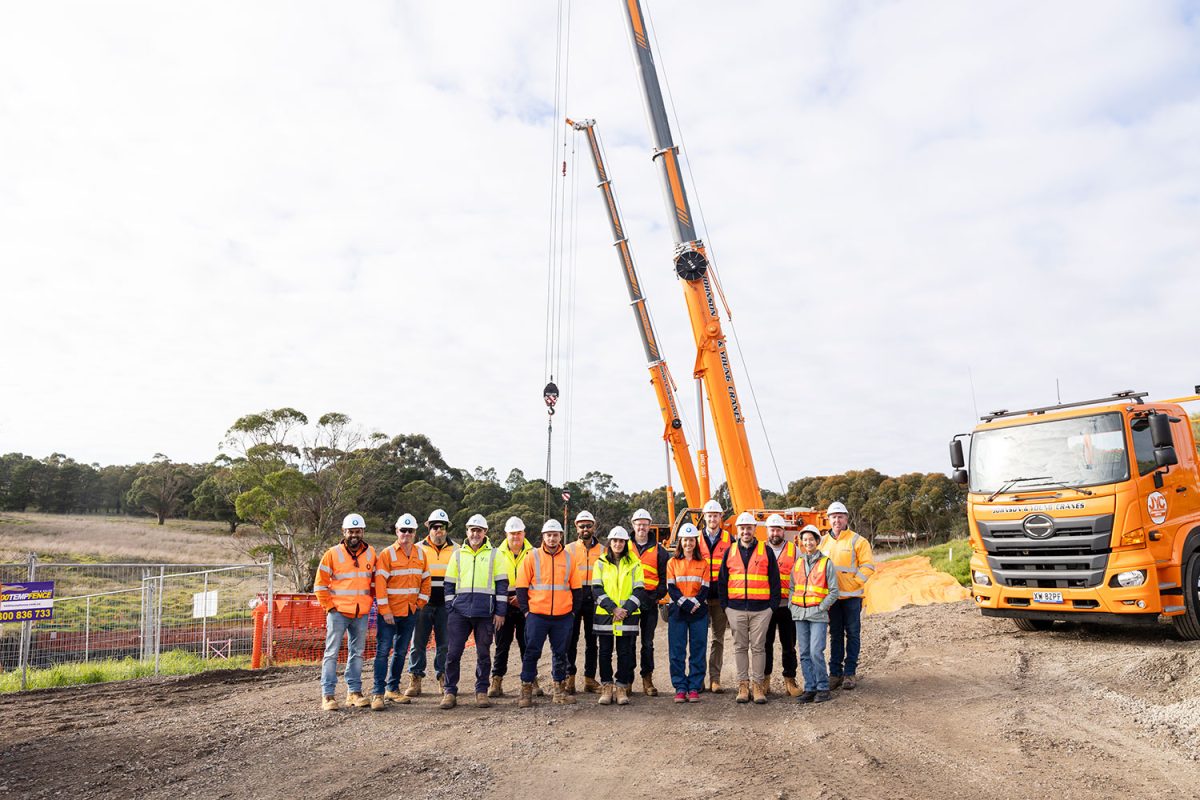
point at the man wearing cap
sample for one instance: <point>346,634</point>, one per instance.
<point>510,555</point>
<point>781,624</point>
<point>343,588</point>
<point>401,590</point>
<point>437,549</point>
<point>654,569</point>
<point>476,596</point>
<point>585,551</point>
<point>855,564</point>
<point>550,592</point>
<point>714,544</point>
<point>749,588</point>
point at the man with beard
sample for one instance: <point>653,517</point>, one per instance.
<point>343,588</point>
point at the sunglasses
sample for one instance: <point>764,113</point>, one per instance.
<point>406,530</point>
<point>587,526</point>
<point>437,527</point>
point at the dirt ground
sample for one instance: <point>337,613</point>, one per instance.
<point>950,705</point>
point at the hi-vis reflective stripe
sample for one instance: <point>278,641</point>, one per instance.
<point>326,569</point>
<point>396,572</point>
<point>853,568</point>
<point>413,590</point>
<point>343,575</point>
<point>349,592</point>
<point>688,579</point>
<point>537,575</point>
<point>491,578</point>
<point>617,628</point>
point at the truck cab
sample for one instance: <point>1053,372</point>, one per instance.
<point>1086,511</point>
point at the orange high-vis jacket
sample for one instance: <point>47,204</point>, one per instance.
<point>344,581</point>
<point>688,575</point>
<point>852,559</point>
<point>401,581</point>
<point>549,579</point>
<point>585,559</point>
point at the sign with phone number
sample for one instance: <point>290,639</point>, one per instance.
<point>26,602</point>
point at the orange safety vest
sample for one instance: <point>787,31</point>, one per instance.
<point>688,575</point>
<point>786,558</point>
<point>749,581</point>
<point>718,553</point>
<point>549,579</point>
<point>401,581</point>
<point>649,559</point>
<point>813,588</point>
<point>585,559</point>
<point>437,560</point>
<point>344,581</point>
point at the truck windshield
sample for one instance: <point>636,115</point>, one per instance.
<point>1082,451</point>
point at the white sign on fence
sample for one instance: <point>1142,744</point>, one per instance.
<point>204,604</point>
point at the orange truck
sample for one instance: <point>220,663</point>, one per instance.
<point>1086,511</point>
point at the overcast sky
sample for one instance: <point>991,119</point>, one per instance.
<point>209,209</point>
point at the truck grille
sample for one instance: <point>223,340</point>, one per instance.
<point>1074,556</point>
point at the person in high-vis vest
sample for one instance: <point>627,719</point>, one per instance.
<point>401,589</point>
<point>550,592</point>
<point>781,618</point>
<point>431,620</point>
<point>687,581</point>
<point>585,551</point>
<point>343,587</point>
<point>620,597</point>
<point>855,563</point>
<point>476,596</point>
<point>749,588</point>
<point>654,566</point>
<point>714,544</point>
<point>814,591</point>
<point>510,554</point>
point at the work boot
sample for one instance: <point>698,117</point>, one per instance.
<point>526,698</point>
<point>648,685</point>
<point>441,679</point>
<point>823,696</point>
<point>793,688</point>
<point>396,697</point>
<point>377,702</point>
<point>606,695</point>
<point>590,685</point>
<point>329,704</point>
<point>743,695</point>
<point>481,700</point>
<point>835,681</point>
<point>849,683</point>
<point>622,694</point>
<point>715,688</point>
<point>806,697</point>
<point>449,701</point>
<point>759,691</point>
<point>537,689</point>
<point>497,687</point>
<point>357,700</point>
<point>414,686</point>
<point>766,686</point>
<point>569,686</point>
<point>560,696</point>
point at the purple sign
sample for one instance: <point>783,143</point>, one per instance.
<point>26,602</point>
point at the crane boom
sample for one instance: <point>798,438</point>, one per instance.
<point>660,376</point>
<point>713,365</point>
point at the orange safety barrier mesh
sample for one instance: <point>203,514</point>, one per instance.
<point>910,581</point>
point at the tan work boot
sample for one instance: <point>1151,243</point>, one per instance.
<point>329,704</point>
<point>537,689</point>
<point>590,684</point>
<point>849,683</point>
<point>481,700</point>
<point>561,697</point>
<point>743,695</point>
<point>569,684</point>
<point>759,692</point>
<point>715,688</point>
<point>648,685</point>
<point>414,686</point>
<point>497,687</point>
<point>377,702</point>
<point>793,688</point>
<point>441,679</point>
<point>396,697</point>
<point>622,694</point>
<point>606,695</point>
<point>357,700</point>
<point>449,701</point>
<point>526,698</point>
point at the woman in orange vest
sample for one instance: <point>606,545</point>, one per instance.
<point>687,579</point>
<point>814,591</point>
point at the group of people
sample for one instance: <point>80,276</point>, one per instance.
<point>613,594</point>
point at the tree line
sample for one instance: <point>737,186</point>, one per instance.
<point>292,479</point>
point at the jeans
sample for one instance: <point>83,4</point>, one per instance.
<point>459,627</point>
<point>810,639</point>
<point>749,629</point>
<point>626,647</point>
<point>845,625</point>
<point>781,620</point>
<point>590,646</point>
<point>430,619</point>
<point>513,628</point>
<point>537,628</point>
<point>718,624</point>
<point>338,625</point>
<point>648,624</point>
<point>687,638</point>
<point>391,639</point>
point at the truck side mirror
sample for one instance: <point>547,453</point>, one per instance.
<point>959,476</point>
<point>956,455</point>
<point>1165,456</point>
<point>1160,430</point>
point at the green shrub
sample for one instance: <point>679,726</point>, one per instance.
<point>172,662</point>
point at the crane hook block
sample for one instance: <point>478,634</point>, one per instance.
<point>550,395</point>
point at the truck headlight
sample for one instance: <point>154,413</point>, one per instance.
<point>1134,577</point>
<point>981,578</point>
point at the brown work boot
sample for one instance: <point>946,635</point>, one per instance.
<point>497,687</point>
<point>537,689</point>
<point>329,704</point>
<point>396,697</point>
<point>441,679</point>
<point>377,702</point>
<point>569,684</point>
<point>357,700</point>
<point>414,686</point>
<point>648,685</point>
<point>835,681</point>
<point>606,695</point>
<point>561,697</point>
<point>766,685</point>
<point>759,691</point>
<point>481,700</point>
<point>715,688</point>
<point>590,685</point>
<point>449,701</point>
<point>743,695</point>
<point>849,683</point>
<point>622,694</point>
<point>793,688</point>
<point>526,698</point>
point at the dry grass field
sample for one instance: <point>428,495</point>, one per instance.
<point>105,538</point>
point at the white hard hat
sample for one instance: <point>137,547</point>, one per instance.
<point>641,513</point>
<point>618,533</point>
<point>407,521</point>
<point>688,531</point>
<point>775,521</point>
<point>836,508</point>
<point>513,525</point>
<point>713,505</point>
<point>477,521</point>
<point>746,518</point>
<point>552,525</point>
<point>813,529</point>
<point>584,516</point>
<point>354,522</point>
<point>438,515</point>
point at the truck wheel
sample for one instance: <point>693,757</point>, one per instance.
<point>1187,624</point>
<point>1033,624</point>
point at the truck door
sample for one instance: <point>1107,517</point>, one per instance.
<point>1167,508</point>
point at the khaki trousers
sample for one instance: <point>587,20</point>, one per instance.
<point>717,625</point>
<point>749,642</point>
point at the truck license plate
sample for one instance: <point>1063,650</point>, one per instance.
<point>1047,597</point>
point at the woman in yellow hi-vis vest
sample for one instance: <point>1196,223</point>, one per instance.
<point>618,586</point>
<point>814,590</point>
